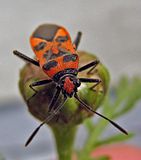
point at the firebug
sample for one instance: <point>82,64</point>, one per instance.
<point>57,56</point>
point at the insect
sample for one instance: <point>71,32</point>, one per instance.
<point>57,56</point>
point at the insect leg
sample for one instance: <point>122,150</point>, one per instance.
<point>89,65</point>
<point>54,100</point>
<point>77,39</point>
<point>52,114</point>
<point>38,83</point>
<point>24,57</point>
<point>90,80</point>
<point>88,108</point>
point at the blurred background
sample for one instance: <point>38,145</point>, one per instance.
<point>111,29</point>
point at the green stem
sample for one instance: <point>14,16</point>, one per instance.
<point>64,137</point>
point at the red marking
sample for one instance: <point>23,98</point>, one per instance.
<point>55,50</point>
<point>68,85</point>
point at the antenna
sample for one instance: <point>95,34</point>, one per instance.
<point>91,110</point>
<point>52,114</point>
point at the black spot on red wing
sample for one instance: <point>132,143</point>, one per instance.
<point>47,55</point>
<point>40,46</point>
<point>46,31</point>
<point>71,57</point>
<point>61,38</point>
<point>53,56</point>
<point>50,64</point>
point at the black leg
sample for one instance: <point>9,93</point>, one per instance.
<point>77,39</point>
<point>38,83</point>
<point>91,71</point>
<point>90,80</point>
<point>89,65</point>
<point>97,83</point>
<point>54,100</point>
<point>24,57</point>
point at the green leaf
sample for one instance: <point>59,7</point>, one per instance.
<point>94,136</point>
<point>113,139</point>
<point>132,96</point>
<point>122,85</point>
<point>89,125</point>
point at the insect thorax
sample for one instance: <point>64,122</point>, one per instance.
<point>68,71</point>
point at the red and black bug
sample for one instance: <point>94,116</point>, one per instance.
<point>57,56</point>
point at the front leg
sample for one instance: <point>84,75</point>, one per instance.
<point>38,83</point>
<point>90,80</point>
